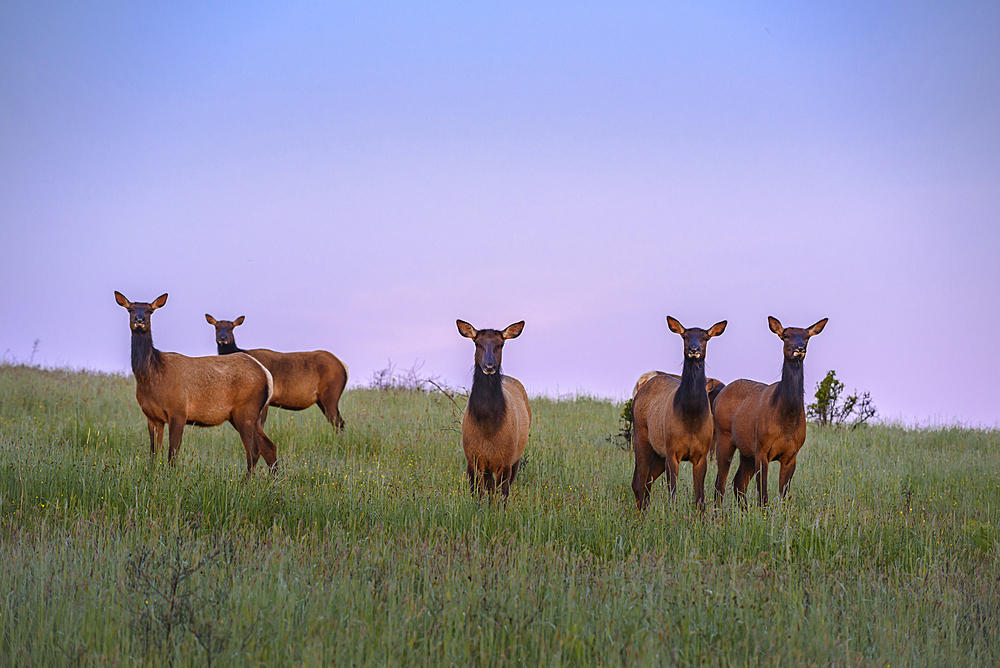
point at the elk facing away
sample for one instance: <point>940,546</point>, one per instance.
<point>764,422</point>
<point>672,419</point>
<point>204,391</point>
<point>497,418</point>
<point>300,379</point>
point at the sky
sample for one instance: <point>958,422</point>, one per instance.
<point>354,177</point>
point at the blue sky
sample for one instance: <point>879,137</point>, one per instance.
<point>356,177</point>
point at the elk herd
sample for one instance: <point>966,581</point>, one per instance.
<point>676,418</point>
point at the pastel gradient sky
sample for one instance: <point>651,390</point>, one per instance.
<point>356,176</point>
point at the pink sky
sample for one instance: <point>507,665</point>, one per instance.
<point>356,179</point>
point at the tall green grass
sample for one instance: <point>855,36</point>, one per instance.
<point>367,548</point>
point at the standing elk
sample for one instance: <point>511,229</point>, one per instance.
<point>204,391</point>
<point>497,418</point>
<point>764,422</point>
<point>672,420</point>
<point>300,379</point>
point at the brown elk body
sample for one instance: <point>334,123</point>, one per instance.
<point>672,420</point>
<point>497,417</point>
<point>300,379</point>
<point>764,423</point>
<point>176,390</point>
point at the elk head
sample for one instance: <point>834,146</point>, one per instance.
<point>489,343</point>
<point>795,338</point>
<point>139,312</point>
<point>224,329</point>
<point>695,338</point>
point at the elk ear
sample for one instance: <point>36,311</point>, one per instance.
<point>238,321</point>
<point>775,325</point>
<point>122,301</point>
<point>513,331</point>
<point>466,330</point>
<point>675,327</point>
<point>818,327</point>
<point>159,301</point>
<point>210,319</point>
<point>718,328</point>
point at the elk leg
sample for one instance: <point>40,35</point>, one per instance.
<point>648,467</point>
<point>489,481</point>
<point>477,481</point>
<point>505,480</point>
<point>329,403</point>
<point>724,456</point>
<point>785,476</point>
<point>761,466</point>
<point>155,437</point>
<point>514,469</point>
<point>267,448</point>
<point>176,432</point>
<point>742,479</point>
<point>700,470</point>
<point>248,437</point>
<point>673,470</point>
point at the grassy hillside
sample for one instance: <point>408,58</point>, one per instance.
<point>366,547</point>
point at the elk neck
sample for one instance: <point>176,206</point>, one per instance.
<point>145,358</point>
<point>788,397</point>
<point>691,399</point>
<point>229,348</point>
<point>487,405</point>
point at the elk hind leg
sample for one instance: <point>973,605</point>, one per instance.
<point>760,465</point>
<point>155,437</point>
<point>785,476</point>
<point>742,478</point>
<point>489,481</point>
<point>248,436</point>
<point>176,433</point>
<point>725,449</point>
<point>329,403</point>
<point>506,477</point>
<point>700,470</point>
<point>673,470</point>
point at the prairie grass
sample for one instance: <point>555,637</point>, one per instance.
<point>366,547</point>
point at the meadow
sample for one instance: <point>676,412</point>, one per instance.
<point>366,548</point>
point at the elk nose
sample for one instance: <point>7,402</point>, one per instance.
<point>489,367</point>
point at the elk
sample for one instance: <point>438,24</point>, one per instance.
<point>204,391</point>
<point>765,423</point>
<point>497,417</point>
<point>300,379</point>
<point>672,419</point>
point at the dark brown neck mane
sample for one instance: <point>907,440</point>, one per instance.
<point>691,399</point>
<point>146,359</point>
<point>487,405</point>
<point>229,348</point>
<point>789,395</point>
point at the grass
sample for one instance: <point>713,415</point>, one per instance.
<point>367,549</point>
